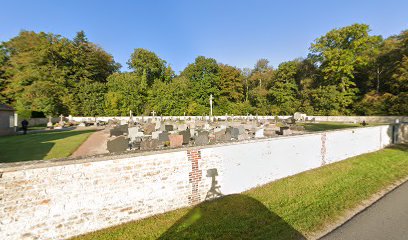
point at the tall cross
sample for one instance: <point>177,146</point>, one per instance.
<point>153,113</point>
<point>211,102</point>
<point>61,116</point>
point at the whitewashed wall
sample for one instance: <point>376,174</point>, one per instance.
<point>59,199</point>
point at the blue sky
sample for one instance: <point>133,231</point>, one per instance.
<point>233,32</point>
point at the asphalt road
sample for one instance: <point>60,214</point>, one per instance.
<point>386,219</point>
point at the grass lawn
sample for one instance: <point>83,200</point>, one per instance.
<point>39,146</point>
<point>291,208</point>
<point>323,126</point>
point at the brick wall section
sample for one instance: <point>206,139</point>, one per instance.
<point>195,176</point>
<point>61,199</point>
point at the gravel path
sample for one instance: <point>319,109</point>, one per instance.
<point>95,144</point>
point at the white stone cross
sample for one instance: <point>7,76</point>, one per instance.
<point>61,116</point>
<point>153,113</point>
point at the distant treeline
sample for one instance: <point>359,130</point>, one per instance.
<point>348,71</point>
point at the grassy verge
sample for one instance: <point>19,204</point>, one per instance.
<point>291,208</point>
<point>39,146</point>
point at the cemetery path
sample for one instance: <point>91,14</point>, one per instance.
<point>385,219</point>
<point>95,144</point>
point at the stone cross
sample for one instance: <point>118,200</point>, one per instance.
<point>153,113</point>
<point>61,116</point>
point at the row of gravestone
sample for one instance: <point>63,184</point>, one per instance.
<point>151,136</point>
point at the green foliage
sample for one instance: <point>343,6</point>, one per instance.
<point>148,64</point>
<point>125,93</point>
<point>348,71</point>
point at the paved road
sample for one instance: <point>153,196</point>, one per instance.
<point>386,219</point>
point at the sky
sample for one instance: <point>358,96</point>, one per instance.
<point>236,33</point>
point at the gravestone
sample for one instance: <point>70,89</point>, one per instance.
<point>259,133</point>
<point>176,140</point>
<point>133,133</point>
<point>244,136</point>
<point>182,127</point>
<point>155,135</point>
<point>234,132</point>
<point>241,129</point>
<point>135,144</point>
<point>285,131</point>
<point>219,134</point>
<point>149,128</point>
<point>269,132</point>
<point>164,136</point>
<point>149,144</point>
<point>186,136</point>
<point>201,138</point>
<point>168,127</point>
<point>118,144</point>
<point>119,130</point>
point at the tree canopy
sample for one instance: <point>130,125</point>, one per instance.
<point>348,71</point>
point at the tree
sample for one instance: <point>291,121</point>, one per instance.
<point>125,94</point>
<point>46,57</point>
<point>340,52</point>
<point>204,74</point>
<point>145,62</point>
<point>231,83</point>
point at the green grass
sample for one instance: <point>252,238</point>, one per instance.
<point>39,146</point>
<point>291,208</point>
<point>38,127</point>
<point>323,126</point>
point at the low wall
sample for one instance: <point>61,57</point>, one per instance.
<point>62,198</point>
<point>359,119</point>
<point>348,119</point>
<point>38,121</point>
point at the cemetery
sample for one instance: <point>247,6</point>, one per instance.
<point>210,120</point>
<point>152,165</point>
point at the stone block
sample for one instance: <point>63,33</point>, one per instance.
<point>149,128</point>
<point>119,130</point>
<point>118,144</point>
<point>155,135</point>
<point>150,144</point>
<point>164,136</point>
<point>186,136</point>
<point>201,138</point>
<point>176,140</point>
<point>168,127</point>
<point>259,133</point>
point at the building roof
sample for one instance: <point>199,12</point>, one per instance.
<point>4,107</point>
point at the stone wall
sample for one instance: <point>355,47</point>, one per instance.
<point>62,198</point>
<point>359,119</point>
<point>348,119</point>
